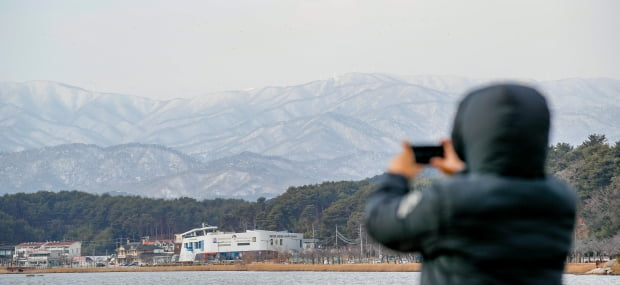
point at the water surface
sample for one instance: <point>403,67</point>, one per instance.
<point>251,277</point>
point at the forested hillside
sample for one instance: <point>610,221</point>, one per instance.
<point>593,168</point>
<point>102,221</point>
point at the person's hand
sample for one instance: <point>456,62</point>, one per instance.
<point>450,163</point>
<point>404,163</point>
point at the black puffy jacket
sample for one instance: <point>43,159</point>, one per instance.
<point>502,220</point>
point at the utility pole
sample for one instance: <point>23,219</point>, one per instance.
<point>337,250</point>
<point>313,240</point>
<point>361,244</point>
<point>336,237</point>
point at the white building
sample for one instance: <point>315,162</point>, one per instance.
<point>43,253</point>
<point>206,242</point>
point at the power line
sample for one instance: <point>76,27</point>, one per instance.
<point>343,238</point>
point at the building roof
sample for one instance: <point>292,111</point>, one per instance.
<point>140,246</point>
<point>147,247</point>
<point>47,243</point>
<point>161,241</point>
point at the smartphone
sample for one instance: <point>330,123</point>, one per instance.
<point>423,153</point>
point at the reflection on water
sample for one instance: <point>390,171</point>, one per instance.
<point>249,277</point>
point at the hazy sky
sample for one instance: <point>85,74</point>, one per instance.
<point>167,49</point>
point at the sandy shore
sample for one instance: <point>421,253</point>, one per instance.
<point>410,267</point>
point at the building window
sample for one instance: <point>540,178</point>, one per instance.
<point>271,242</point>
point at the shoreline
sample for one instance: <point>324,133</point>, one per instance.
<point>572,268</point>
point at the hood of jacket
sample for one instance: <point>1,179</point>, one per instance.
<point>503,129</point>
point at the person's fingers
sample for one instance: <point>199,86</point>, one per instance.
<point>448,149</point>
<point>450,163</point>
<point>437,162</point>
<point>408,150</point>
<point>404,163</point>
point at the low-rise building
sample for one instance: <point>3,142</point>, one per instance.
<point>207,243</point>
<point>6,254</point>
<point>145,252</point>
<point>46,253</point>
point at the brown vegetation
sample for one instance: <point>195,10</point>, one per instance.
<point>573,268</point>
<point>578,268</point>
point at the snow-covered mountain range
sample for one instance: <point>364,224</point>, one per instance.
<point>250,143</point>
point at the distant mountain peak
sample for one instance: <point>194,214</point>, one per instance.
<point>345,127</point>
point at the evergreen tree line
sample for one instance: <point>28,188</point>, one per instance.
<point>593,169</point>
<point>101,222</point>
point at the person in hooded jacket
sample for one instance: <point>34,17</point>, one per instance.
<point>498,218</point>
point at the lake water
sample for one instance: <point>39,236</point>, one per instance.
<point>252,277</point>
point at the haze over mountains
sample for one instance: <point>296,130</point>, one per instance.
<point>251,143</point>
